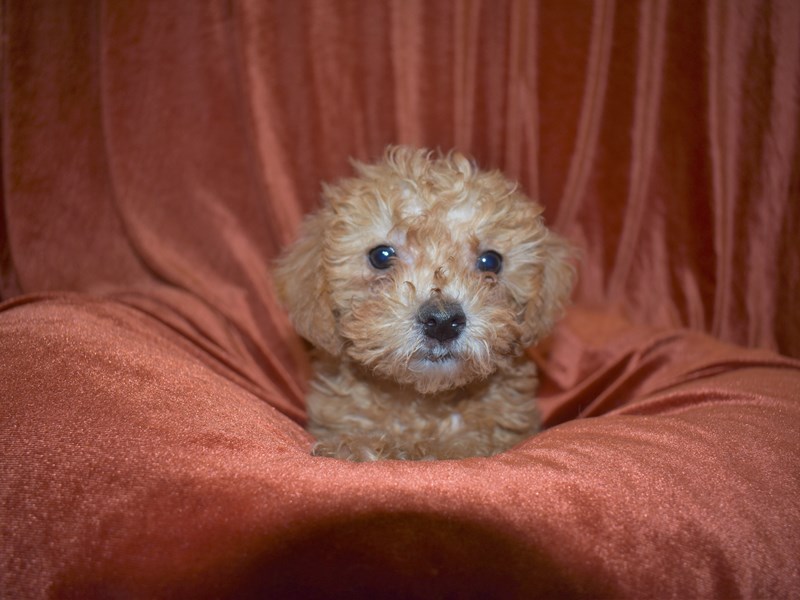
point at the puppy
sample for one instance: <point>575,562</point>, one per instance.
<point>420,282</point>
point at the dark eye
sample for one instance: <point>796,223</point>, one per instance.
<point>490,262</point>
<point>380,257</point>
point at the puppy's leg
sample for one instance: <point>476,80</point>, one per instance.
<point>360,448</point>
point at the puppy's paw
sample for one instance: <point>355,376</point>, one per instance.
<point>358,449</point>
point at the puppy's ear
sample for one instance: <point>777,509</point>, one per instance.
<point>302,288</point>
<point>553,289</point>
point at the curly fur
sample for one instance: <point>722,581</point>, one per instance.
<point>381,388</point>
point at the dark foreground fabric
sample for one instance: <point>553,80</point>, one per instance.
<point>158,155</point>
<point>136,463</point>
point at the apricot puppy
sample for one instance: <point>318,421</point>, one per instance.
<point>420,282</point>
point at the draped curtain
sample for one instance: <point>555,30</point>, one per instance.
<point>662,137</point>
<point>157,155</point>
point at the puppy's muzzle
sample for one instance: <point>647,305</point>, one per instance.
<point>442,321</point>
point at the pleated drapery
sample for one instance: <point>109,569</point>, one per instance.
<point>158,155</point>
<point>661,136</point>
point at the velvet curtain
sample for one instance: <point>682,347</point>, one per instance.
<point>157,155</point>
<point>661,135</point>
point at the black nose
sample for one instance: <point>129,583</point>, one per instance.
<point>442,321</point>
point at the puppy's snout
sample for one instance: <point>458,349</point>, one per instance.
<point>442,321</point>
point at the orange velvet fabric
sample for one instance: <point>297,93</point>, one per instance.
<point>158,155</point>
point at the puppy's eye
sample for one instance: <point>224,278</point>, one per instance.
<point>490,262</point>
<point>380,257</point>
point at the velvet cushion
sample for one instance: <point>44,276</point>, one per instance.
<point>156,157</point>
<point>137,463</point>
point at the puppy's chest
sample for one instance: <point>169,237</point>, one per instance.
<point>346,399</point>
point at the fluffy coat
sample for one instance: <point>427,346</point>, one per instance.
<point>384,386</point>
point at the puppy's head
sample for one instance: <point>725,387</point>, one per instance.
<point>425,270</point>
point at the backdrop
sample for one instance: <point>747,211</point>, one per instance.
<point>158,155</point>
<point>662,136</point>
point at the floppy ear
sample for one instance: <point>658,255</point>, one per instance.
<point>553,288</point>
<point>302,287</point>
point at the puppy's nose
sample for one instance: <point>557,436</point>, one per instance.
<point>442,321</point>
